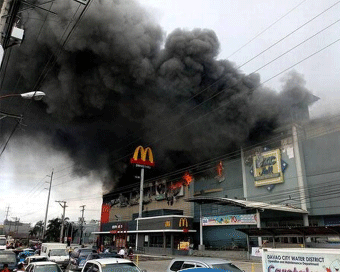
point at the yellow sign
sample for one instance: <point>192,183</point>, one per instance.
<point>167,223</point>
<point>267,168</point>
<point>183,222</point>
<point>184,245</point>
<point>143,154</point>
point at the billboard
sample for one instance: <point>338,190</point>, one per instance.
<point>241,219</point>
<point>267,168</point>
<point>305,260</point>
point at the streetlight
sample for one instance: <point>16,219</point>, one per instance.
<point>38,95</point>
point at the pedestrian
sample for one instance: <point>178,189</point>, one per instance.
<point>5,269</point>
<point>21,267</point>
<point>121,253</point>
<point>130,253</point>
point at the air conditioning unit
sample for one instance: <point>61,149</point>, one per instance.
<point>17,34</point>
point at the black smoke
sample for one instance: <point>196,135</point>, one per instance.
<point>119,82</point>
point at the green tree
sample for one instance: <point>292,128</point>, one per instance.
<point>53,230</point>
<point>36,231</point>
<point>39,227</point>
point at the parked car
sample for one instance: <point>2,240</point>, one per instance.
<point>94,256</point>
<point>34,259</point>
<point>78,258</point>
<point>111,265</point>
<point>24,254</point>
<point>43,267</point>
<point>179,264</point>
<point>8,257</point>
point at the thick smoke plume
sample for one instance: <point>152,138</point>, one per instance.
<point>118,82</point>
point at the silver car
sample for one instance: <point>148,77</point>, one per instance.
<point>182,263</point>
<point>43,267</point>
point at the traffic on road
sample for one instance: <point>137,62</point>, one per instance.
<point>58,257</point>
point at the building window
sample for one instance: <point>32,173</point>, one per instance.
<point>156,241</point>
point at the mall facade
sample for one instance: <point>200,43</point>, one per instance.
<point>291,180</point>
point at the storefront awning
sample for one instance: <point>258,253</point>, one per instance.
<point>245,204</point>
<point>292,231</point>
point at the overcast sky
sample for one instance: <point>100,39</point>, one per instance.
<point>235,22</point>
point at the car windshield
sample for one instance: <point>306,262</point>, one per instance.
<point>7,258</point>
<point>227,267</point>
<point>120,267</point>
<point>2,242</point>
<point>34,260</point>
<point>85,252</point>
<point>47,268</point>
<point>58,252</point>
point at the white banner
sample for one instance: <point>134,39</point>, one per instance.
<point>256,251</point>
<point>301,260</point>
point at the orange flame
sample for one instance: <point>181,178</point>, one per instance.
<point>187,178</point>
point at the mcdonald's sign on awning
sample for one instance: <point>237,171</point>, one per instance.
<point>146,156</point>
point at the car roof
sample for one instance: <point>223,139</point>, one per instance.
<point>201,259</point>
<point>109,261</point>
<point>43,263</point>
<point>36,257</point>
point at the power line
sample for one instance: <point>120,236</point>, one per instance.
<point>259,34</point>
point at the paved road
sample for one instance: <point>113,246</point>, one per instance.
<point>161,266</point>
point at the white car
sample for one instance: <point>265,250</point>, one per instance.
<point>43,267</point>
<point>111,265</point>
<point>34,259</point>
<point>182,263</point>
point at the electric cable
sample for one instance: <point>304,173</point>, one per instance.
<point>259,34</point>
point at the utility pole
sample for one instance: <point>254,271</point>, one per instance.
<point>81,224</point>
<point>48,202</point>
<point>6,222</point>
<point>7,211</point>
<point>62,221</point>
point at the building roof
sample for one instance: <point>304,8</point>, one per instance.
<point>292,231</point>
<point>244,204</point>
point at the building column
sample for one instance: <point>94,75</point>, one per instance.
<point>244,177</point>
<point>258,219</point>
<point>172,243</point>
<point>164,240</point>
<point>201,245</point>
<point>300,176</point>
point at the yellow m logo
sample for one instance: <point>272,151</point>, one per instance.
<point>183,222</point>
<point>143,156</point>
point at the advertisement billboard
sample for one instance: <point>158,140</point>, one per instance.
<point>304,260</point>
<point>240,219</point>
<point>267,168</point>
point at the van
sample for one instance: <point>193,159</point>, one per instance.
<point>56,252</point>
<point>3,242</point>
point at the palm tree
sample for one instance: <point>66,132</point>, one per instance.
<point>40,227</point>
<point>53,230</point>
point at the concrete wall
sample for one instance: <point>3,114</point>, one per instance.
<point>322,162</point>
<point>281,193</point>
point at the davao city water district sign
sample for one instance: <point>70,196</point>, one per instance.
<point>267,168</point>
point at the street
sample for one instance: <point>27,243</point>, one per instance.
<point>161,265</point>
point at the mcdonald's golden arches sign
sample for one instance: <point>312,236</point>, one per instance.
<point>183,223</point>
<point>146,156</point>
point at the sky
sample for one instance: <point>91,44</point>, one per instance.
<point>24,179</point>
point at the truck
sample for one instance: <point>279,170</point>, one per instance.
<point>300,260</point>
<point>56,252</point>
